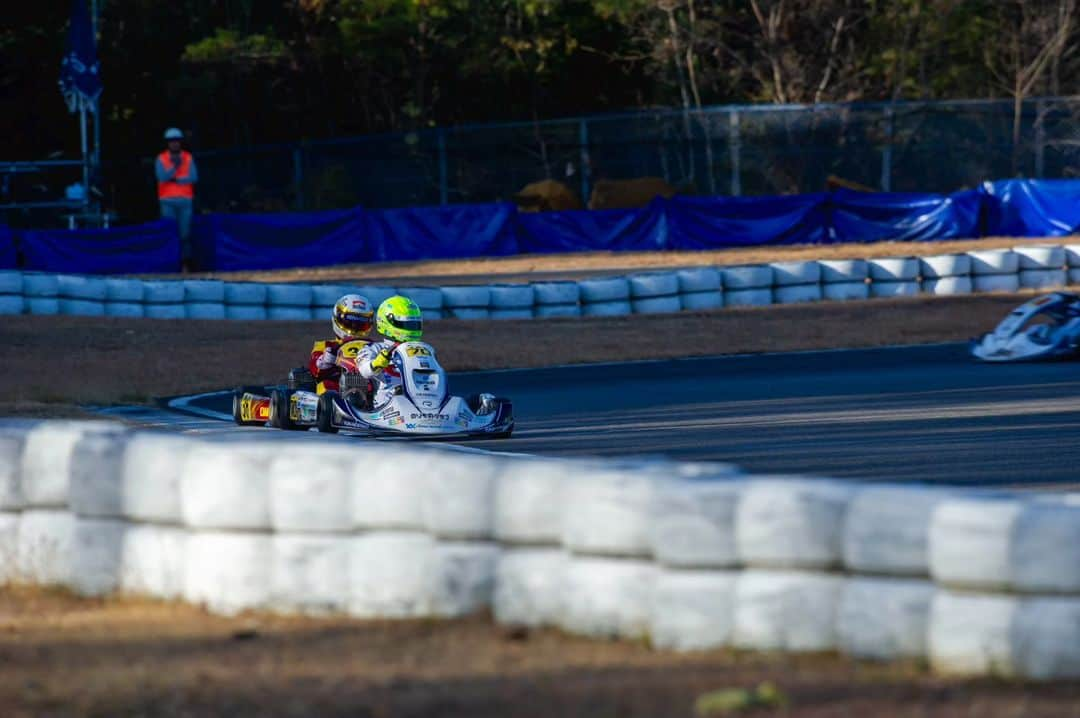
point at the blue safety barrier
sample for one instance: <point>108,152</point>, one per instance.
<point>226,242</point>
<point>9,258</point>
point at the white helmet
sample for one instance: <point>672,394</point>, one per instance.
<point>352,316</point>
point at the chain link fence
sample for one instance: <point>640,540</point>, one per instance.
<point>737,150</point>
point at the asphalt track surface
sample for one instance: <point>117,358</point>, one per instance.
<point>922,413</point>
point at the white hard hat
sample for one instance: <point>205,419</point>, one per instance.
<point>174,133</point>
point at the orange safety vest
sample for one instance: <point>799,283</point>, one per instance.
<point>172,189</point>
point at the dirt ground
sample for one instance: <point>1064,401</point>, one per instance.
<point>62,656</point>
<point>536,267</point>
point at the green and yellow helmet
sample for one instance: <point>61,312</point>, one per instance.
<point>399,319</point>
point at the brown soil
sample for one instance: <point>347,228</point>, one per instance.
<point>519,268</point>
<point>109,360</point>
<point>63,656</point>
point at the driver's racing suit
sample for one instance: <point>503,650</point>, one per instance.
<point>327,376</point>
<point>387,379</point>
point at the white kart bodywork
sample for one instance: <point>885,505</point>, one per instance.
<point>1046,327</point>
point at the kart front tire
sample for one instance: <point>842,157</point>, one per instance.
<point>324,414</point>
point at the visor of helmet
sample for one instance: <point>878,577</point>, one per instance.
<point>409,324</point>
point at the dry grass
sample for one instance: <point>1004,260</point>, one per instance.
<point>63,656</point>
<point>110,360</point>
<point>554,266</point>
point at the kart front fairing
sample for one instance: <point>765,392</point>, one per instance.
<point>1047,327</point>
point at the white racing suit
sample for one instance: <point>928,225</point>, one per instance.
<point>386,380</point>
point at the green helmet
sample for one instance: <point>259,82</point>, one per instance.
<point>399,319</point>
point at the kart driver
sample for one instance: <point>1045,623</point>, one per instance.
<point>398,320</point>
<point>351,321</point>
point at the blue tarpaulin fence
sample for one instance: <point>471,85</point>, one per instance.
<point>226,242</point>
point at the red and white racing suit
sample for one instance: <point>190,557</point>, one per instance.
<point>327,379</point>
<point>386,380</point>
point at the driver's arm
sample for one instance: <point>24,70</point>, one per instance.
<point>373,359</point>
<point>318,352</point>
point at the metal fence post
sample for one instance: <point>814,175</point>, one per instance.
<point>735,148</point>
<point>886,151</point>
<point>1040,138</point>
<point>444,190</point>
<point>583,142</point>
<point>298,177</point>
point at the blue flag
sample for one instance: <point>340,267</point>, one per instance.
<point>80,71</point>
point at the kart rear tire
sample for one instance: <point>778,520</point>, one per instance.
<point>325,412</point>
<point>238,393</point>
<point>279,410</point>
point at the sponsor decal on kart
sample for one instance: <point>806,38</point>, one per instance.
<point>417,351</point>
<point>432,417</point>
<point>307,407</point>
<point>254,408</point>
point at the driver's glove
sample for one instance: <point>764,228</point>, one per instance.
<point>326,360</point>
<point>382,360</point>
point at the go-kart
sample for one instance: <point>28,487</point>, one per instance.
<point>420,406</point>
<point>1047,327</point>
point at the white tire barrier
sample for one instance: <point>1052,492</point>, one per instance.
<point>657,305</point>
<point>96,487</point>
<point>11,282</point>
<point>547,311</point>
<point>153,465</point>
<point>653,284</point>
<point>604,290</point>
<point>512,296</point>
<point>390,575</point>
<point>752,276</point>
<point>204,291</point>
<point>378,295</point>
<point>894,269</point>
<point>1072,257</point>
<point>947,286</point>
<point>204,310</point>
<point>246,312</point>
<point>9,546</point>
<point>48,456</point>
<point>608,512</point>
<point>12,304</point>
<point>132,310</point>
<point>77,287</point>
<point>887,529</point>
<point>97,556</point>
<point>884,618</point>
<point>692,524</point>
<point>163,292</point>
<point>289,314</point>
<point>325,296</point>
<point>458,497</point>
<point>155,561</point>
<point>1043,278</point>
<point>288,295</point>
<point>762,297</point>
<point>164,311</point>
<point>699,279</point>
<point>11,495</point>
<point>223,486</point>
<point>529,586</point>
<point>309,574</point>
<point>797,293</point>
<point>1073,277</point>
<point>1033,638</point>
<point>791,522</point>
<point>529,501</point>
<point>944,265</point>
<point>46,306</point>
<point>466,297</point>
<point>519,313</point>
<point>697,301</point>
<point>462,577</point>
<point>795,273</point>
<point>1051,256</point>
<point>994,261</point>
<point>124,290</point>
<point>619,308</point>
<point>82,308</point>
<point>556,293</point>
<point>884,289</point>
<point>470,313</point>
<point>845,291</point>
<point>1005,544</point>
<point>995,282</point>
<point>844,270</point>
<point>786,610</point>
<point>228,572</point>
<point>46,546</point>
<point>245,293</point>
<point>427,298</point>
<point>306,500</point>
<point>607,597</point>
<point>692,610</point>
<point>385,499</point>
<point>40,285</point>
